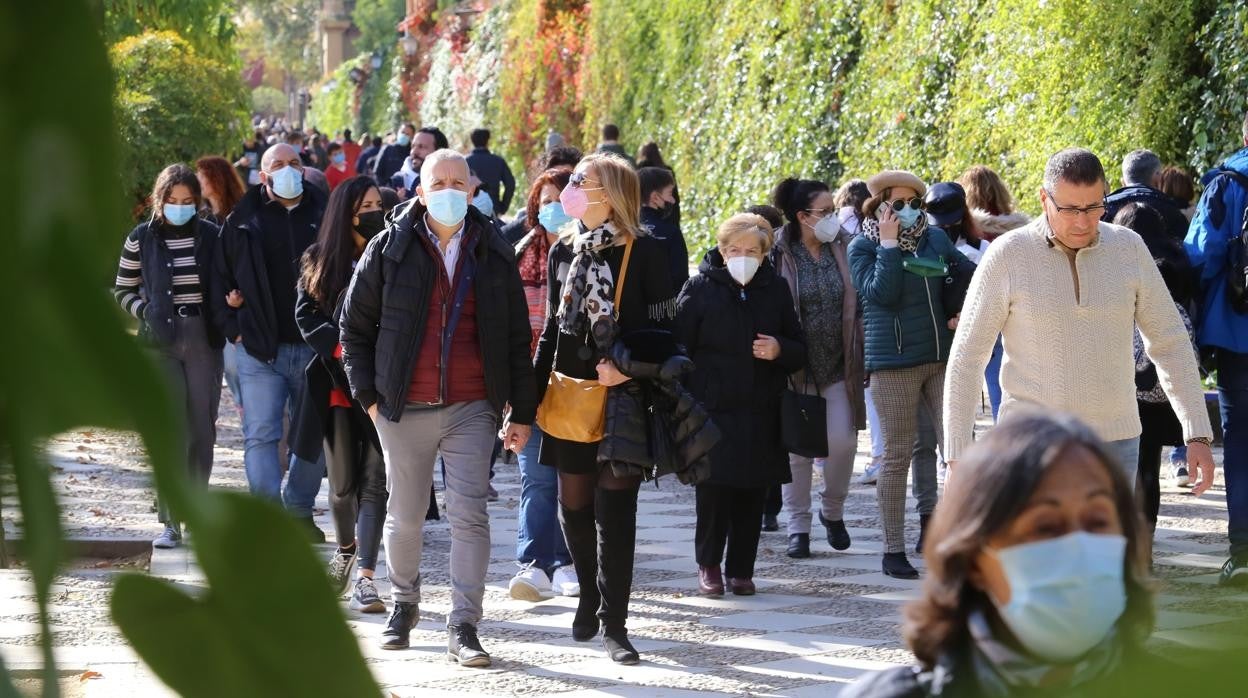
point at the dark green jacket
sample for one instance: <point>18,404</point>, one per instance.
<point>904,321</point>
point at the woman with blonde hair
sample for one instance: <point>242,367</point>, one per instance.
<point>737,321</point>
<point>606,280</point>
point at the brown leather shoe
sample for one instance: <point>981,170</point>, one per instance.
<point>710,581</point>
<point>741,586</point>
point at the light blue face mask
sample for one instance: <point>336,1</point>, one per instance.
<point>552,216</point>
<point>178,214</point>
<point>907,217</point>
<point>404,140</point>
<point>286,183</point>
<point>1066,594</point>
<point>338,158</point>
<point>483,203</point>
<point>447,206</point>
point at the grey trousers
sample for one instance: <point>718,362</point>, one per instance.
<point>464,434</point>
<point>193,369</point>
<point>837,467</point>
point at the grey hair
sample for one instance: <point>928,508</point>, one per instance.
<point>1075,166</point>
<point>437,157</point>
<point>1140,166</point>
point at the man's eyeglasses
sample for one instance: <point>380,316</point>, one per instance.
<point>578,180</point>
<point>897,205</point>
<point>1072,212</point>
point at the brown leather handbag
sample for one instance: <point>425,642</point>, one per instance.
<point>575,409</point>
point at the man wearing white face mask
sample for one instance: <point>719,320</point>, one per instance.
<point>435,364</point>
<point>737,320</point>
<point>253,303</point>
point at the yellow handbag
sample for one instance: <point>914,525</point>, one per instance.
<point>575,409</point>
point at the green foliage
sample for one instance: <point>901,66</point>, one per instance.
<point>461,92</point>
<point>284,33</point>
<point>268,101</point>
<point>333,106</point>
<point>1217,120</point>
<point>173,105</point>
<point>377,21</point>
<point>207,24</point>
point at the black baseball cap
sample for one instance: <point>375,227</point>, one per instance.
<point>945,203</point>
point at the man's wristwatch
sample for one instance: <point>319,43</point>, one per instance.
<point>1200,440</point>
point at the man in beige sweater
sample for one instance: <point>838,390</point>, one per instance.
<point>1066,292</point>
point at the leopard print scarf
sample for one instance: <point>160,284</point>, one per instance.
<point>907,239</point>
<point>589,291</point>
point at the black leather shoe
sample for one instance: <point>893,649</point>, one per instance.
<point>619,649</point>
<point>463,646</point>
<point>799,545</point>
<point>313,532</point>
<point>924,520</point>
<point>770,523</point>
<point>402,619</point>
<point>897,566</point>
<point>838,537</point>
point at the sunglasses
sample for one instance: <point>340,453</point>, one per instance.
<point>578,180</point>
<point>915,203</point>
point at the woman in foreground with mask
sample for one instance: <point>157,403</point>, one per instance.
<point>737,321</point>
<point>812,260</point>
<point>899,265</point>
<point>1037,579</point>
<point>353,460</point>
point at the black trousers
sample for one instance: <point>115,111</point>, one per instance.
<point>774,501</point>
<point>729,516</point>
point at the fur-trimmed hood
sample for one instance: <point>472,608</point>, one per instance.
<point>997,225</point>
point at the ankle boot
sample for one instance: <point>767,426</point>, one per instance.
<point>582,539</point>
<point>616,514</point>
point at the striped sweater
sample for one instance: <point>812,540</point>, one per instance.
<point>186,288</point>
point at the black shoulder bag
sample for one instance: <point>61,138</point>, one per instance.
<point>804,420</point>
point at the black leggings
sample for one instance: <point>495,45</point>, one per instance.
<point>357,482</point>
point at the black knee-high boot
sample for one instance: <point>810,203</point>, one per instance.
<point>582,539</point>
<point>616,514</point>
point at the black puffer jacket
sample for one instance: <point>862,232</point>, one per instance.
<point>653,425</point>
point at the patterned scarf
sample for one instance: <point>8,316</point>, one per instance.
<point>531,253</point>
<point>589,291</point>
<point>1002,670</point>
<point>908,239</point>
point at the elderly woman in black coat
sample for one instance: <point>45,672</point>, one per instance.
<point>737,322</point>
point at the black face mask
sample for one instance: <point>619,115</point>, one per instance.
<point>371,223</point>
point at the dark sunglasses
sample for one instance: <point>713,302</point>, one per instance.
<point>578,180</point>
<point>916,203</point>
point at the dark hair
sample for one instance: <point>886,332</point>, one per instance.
<point>852,193</point>
<point>377,141</point>
<point>1168,254</point>
<point>1075,166</point>
<point>327,262</point>
<point>480,137</point>
<point>346,134</point>
<point>439,138</point>
<point>558,156</point>
<point>648,155</point>
<point>225,182</point>
<point>169,178</point>
<point>332,147</point>
<point>406,124</point>
<point>793,196</point>
<point>294,137</point>
<point>389,198</point>
<point>1176,182</point>
<point>258,136</point>
<point>654,179</point>
<point>610,132</point>
<point>995,480</point>
<point>558,177</point>
<point>771,214</point>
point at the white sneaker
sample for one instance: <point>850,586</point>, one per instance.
<point>871,474</point>
<point>529,584</point>
<point>564,582</point>
<point>1180,476</point>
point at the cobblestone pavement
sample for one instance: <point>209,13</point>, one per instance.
<point>815,624</point>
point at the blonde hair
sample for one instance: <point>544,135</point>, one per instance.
<point>986,191</point>
<point>622,187</point>
<point>745,224</point>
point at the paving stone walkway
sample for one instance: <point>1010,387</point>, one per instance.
<point>813,627</point>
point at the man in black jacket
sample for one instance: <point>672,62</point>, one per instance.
<point>253,303</point>
<point>1141,173</point>
<point>492,170</point>
<point>435,339</point>
<point>390,158</point>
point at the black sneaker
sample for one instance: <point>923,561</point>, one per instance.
<point>838,537</point>
<point>897,566</point>
<point>402,619</point>
<point>1234,572</point>
<point>463,646</point>
<point>365,598</point>
<point>799,545</point>
<point>315,535</point>
<point>340,566</point>
<point>770,523</point>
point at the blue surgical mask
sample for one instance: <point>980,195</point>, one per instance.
<point>447,206</point>
<point>178,214</point>
<point>908,216</point>
<point>286,183</point>
<point>552,216</point>
<point>338,158</point>
<point>1066,593</point>
<point>404,140</point>
<point>483,203</point>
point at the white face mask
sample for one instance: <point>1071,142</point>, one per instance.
<point>742,269</point>
<point>827,228</point>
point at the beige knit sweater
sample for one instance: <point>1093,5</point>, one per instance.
<point>1063,354</point>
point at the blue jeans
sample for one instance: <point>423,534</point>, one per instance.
<point>1128,453</point>
<point>538,537</point>
<point>992,376</point>
<point>1233,396</point>
<point>269,390</point>
<point>229,358</point>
